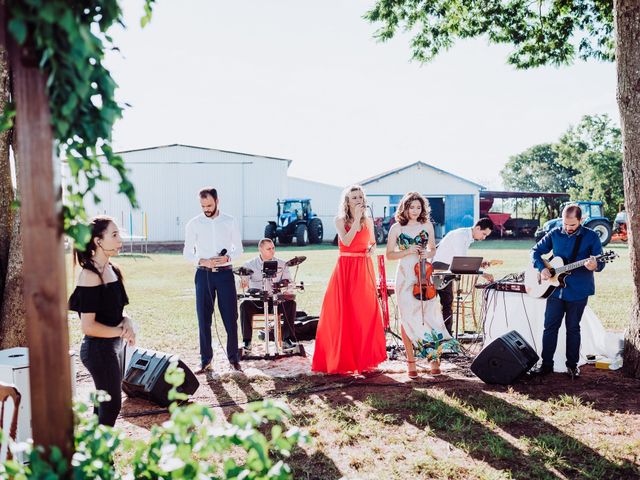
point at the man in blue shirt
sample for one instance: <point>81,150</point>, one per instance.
<point>568,302</point>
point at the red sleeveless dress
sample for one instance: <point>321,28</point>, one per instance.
<point>350,337</point>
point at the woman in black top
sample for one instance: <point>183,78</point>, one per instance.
<point>99,299</point>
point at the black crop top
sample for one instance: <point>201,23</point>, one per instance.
<point>107,301</point>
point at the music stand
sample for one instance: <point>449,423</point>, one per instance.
<point>463,266</point>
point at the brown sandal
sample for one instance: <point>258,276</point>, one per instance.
<point>412,374</point>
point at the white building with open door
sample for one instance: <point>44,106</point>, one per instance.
<point>455,201</point>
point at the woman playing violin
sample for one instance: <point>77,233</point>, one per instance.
<point>412,241</point>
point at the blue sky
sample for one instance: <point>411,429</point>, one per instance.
<point>306,80</point>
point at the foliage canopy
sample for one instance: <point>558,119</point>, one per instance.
<point>543,32</point>
<point>67,41</point>
<point>586,162</point>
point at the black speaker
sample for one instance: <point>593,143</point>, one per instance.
<point>504,359</point>
<point>145,377</point>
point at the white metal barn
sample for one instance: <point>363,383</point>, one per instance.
<point>167,180</point>
<point>455,201</point>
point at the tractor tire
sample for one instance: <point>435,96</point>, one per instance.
<point>603,229</point>
<point>380,235</point>
<point>270,231</point>
<point>315,230</point>
<point>285,239</point>
<point>302,235</point>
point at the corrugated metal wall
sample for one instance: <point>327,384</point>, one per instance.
<point>167,180</point>
<point>324,201</point>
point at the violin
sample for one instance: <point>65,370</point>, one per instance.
<point>423,289</point>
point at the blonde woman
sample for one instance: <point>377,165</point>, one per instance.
<point>350,337</point>
<point>410,239</point>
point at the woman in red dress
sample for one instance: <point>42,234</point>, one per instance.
<point>350,337</point>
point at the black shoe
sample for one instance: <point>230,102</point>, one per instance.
<point>542,370</point>
<point>288,345</point>
<point>573,372</point>
<point>204,369</point>
<point>236,366</point>
<point>247,347</point>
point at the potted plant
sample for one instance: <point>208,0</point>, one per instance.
<point>432,346</point>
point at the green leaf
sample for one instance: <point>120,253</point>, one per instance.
<point>18,29</point>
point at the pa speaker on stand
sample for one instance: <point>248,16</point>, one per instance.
<point>505,359</point>
<point>144,377</point>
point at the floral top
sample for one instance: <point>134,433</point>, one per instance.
<point>404,240</point>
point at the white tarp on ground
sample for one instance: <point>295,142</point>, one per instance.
<point>506,311</point>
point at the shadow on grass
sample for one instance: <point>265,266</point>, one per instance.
<point>222,398</point>
<point>314,463</point>
<point>314,466</point>
<point>484,427</point>
<point>603,390</point>
<point>547,447</point>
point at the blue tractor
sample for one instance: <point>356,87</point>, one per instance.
<point>592,217</point>
<point>295,220</point>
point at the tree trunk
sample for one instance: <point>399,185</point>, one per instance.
<point>12,317</point>
<point>13,329</point>
<point>627,23</point>
<point>44,279</point>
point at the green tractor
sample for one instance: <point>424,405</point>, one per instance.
<point>295,220</point>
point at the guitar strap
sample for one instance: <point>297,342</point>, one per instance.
<point>576,246</point>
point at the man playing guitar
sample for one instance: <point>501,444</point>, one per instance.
<point>572,242</point>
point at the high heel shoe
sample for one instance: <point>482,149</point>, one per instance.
<point>412,373</point>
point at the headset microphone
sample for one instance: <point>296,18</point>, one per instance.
<point>107,249</point>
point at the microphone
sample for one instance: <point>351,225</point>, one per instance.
<point>222,252</point>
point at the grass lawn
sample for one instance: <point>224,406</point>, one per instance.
<point>382,426</point>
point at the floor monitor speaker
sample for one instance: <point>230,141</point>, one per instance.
<point>144,377</point>
<point>504,359</point>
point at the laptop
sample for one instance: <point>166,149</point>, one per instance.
<point>466,265</point>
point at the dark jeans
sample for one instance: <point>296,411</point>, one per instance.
<point>249,308</point>
<point>102,357</point>
<point>446,300</point>
<point>208,285</point>
<point>572,313</point>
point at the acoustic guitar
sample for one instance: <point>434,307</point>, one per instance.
<point>539,288</point>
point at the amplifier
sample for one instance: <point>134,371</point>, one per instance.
<point>506,287</point>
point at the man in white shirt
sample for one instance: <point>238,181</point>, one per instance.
<point>456,244</point>
<point>250,307</point>
<point>212,241</point>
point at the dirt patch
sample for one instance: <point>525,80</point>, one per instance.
<point>383,425</point>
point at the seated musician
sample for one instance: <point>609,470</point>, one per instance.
<point>456,243</point>
<point>250,307</point>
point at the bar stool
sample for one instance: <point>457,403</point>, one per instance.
<point>258,323</point>
<point>468,303</point>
